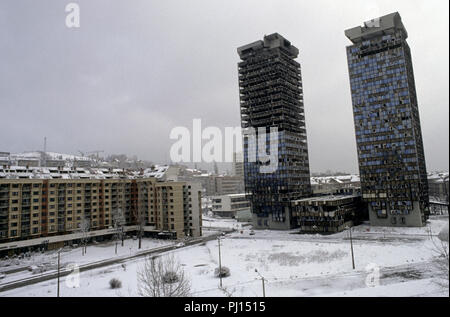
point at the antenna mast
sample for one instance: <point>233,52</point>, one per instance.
<point>44,163</point>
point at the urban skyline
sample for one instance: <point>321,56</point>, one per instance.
<point>267,148</point>
<point>99,99</point>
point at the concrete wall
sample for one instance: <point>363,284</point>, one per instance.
<point>414,219</point>
<point>272,225</point>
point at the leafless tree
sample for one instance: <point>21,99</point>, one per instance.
<point>85,226</point>
<point>141,215</point>
<point>441,250</point>
<point>118,223</point>
<point>163,277</point>
<point>141,224</point>
<point>228,292</point>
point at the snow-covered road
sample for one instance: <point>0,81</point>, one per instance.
<point>293,265</point>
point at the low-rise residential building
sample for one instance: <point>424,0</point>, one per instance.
<point>82,163</point>
<point>227,185</point>
<point>326,184</point>
<point>438,186</point>
<point>4,158</point>
<point>32,162</point>
<point>55,163</point>
<point>229,205</point>
<point>238,164</point>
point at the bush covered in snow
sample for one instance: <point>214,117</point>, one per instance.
<point>115,283</point>
<point>170,277</point>
<point>224,272</point>
<point>443,234</point>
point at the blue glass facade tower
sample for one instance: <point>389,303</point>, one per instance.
<point>387,124</point>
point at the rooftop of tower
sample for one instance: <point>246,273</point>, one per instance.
<point>270,41</point>
<point>386,24</point>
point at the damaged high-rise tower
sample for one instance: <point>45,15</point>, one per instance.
<point>271,96</point>
<point>387,125</point>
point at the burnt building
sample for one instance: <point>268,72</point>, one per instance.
<point>271,97</point>
<point>387,125</point>
<point>329,213</point>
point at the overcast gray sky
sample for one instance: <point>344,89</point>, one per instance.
<point>135,69</point>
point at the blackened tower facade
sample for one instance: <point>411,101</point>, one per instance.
<point>271,96</point>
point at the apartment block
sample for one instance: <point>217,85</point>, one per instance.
<point>387,124</point>
<point>227,185</point>
<point>238,164</point>
<point>34,205</point>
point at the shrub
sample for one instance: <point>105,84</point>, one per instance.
<point>170,277</point>
<point>225,272</point>
<point>115,283</point>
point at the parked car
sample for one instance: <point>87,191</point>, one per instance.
<point>252,233</point>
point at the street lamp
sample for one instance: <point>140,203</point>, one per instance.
<point>262,279</point>
<point>59,256</point>
<point>220,263</point>
<point>351,244</point>
<point>59,266</point>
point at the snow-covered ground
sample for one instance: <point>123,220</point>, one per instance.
<point>292,264</point>
<point>94,253</point>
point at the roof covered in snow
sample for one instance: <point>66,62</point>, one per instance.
<point>16,172</point>
<point>342,179</point>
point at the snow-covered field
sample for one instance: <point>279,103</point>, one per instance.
<point>292,264</point>
<point>94,253</point>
